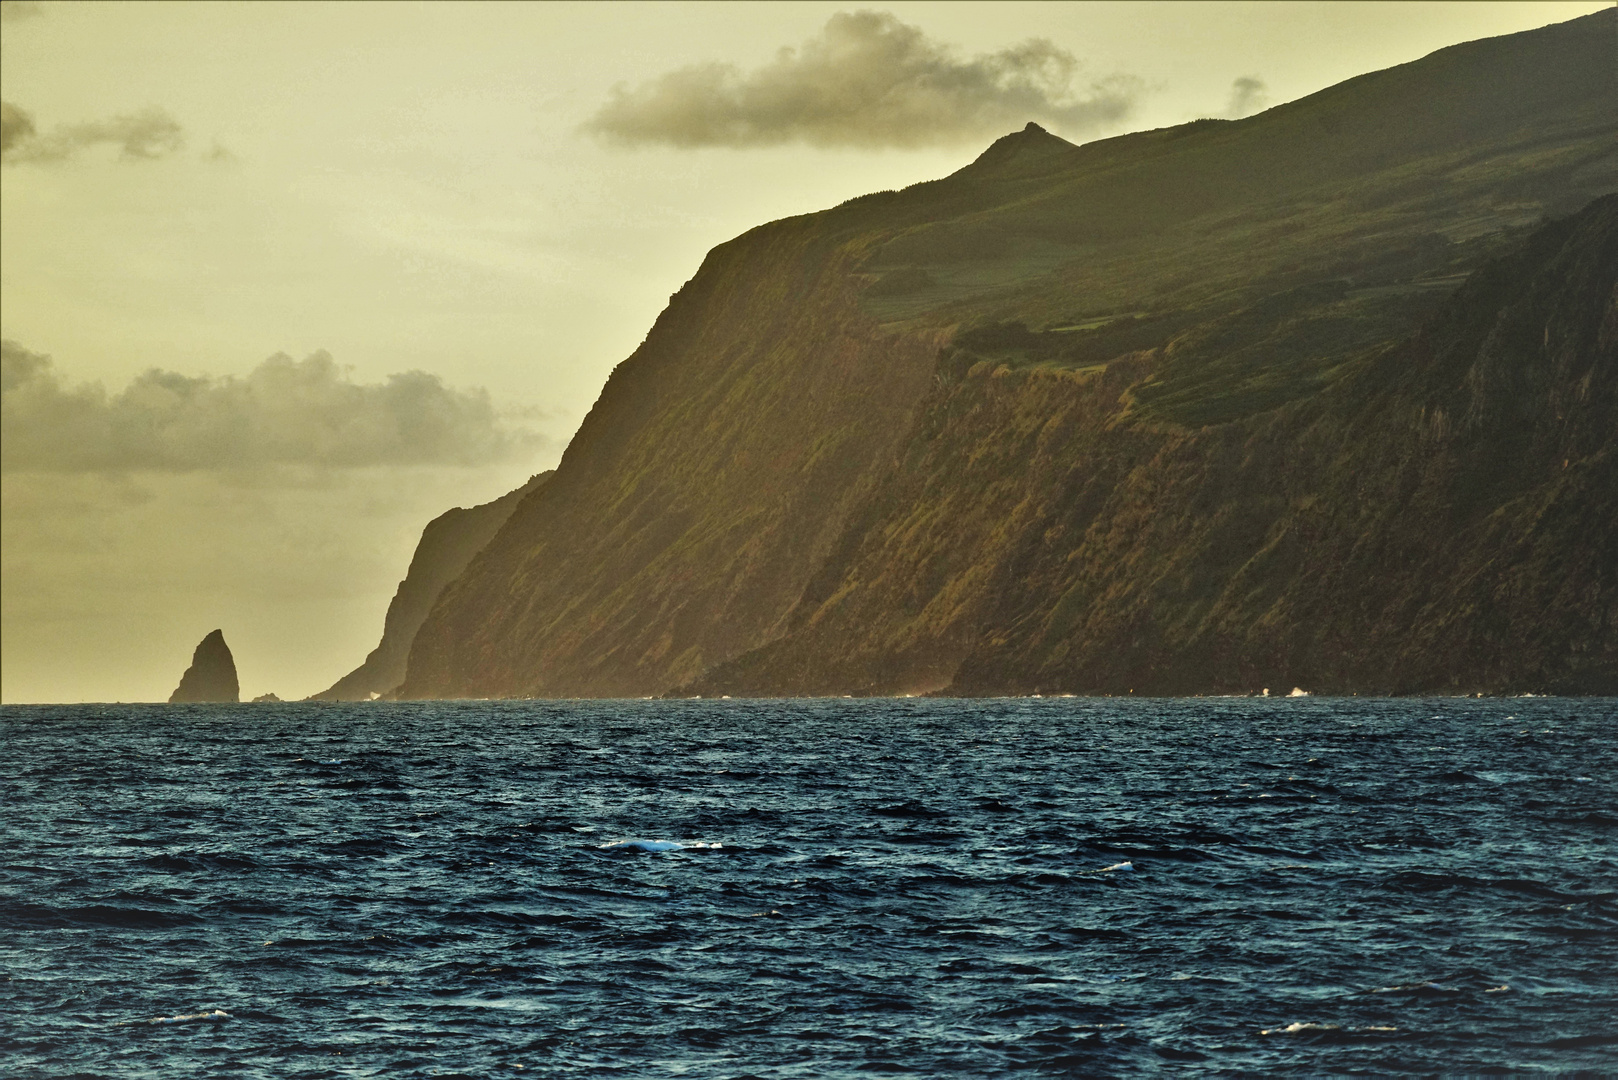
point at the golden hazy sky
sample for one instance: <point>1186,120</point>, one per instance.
<point>499,195</point>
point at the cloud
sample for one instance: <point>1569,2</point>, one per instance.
<point>18,10</point>
<point>284,412</point>
<point>868,80</point>
<point>143,136</point>
<point>1247,95</point>
<point>16,127</point>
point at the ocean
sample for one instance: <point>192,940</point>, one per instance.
<point>812,888</point>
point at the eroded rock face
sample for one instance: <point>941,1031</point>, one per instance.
<point>211,676</point>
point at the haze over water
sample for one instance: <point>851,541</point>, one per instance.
<point>920,888</point>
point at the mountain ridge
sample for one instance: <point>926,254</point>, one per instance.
<point>785,404</point>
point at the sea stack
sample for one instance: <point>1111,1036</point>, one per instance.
<point>212,674</point>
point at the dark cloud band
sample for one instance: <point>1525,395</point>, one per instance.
<point>296,412</point>
<point>143,136</point>
<point>868,80</point>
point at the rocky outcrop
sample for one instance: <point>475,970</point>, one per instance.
<point>447,544</point>
<point>211,676</point>
<point>1185,410</point>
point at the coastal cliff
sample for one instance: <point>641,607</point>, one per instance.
<point>1441,516</point>
<point>447,544</point>
<point>1322,397</point>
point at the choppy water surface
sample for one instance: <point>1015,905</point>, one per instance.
<point>920,888</point>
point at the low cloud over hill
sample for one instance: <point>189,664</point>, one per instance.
<point>868,80</point>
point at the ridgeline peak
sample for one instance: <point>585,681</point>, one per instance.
<point>1020,153</point>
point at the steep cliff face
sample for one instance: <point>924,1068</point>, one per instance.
<point>1442,517</point>
<point>1137,414</point>
<point>698,496</point>
<point>447,544</point>
<point>211,676</point>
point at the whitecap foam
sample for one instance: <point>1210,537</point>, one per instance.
<point>217,1014</point>
<point>1306,1028</point>
<point>660,845</point>
<point>1296,1028</point>
<point>1414,988</point>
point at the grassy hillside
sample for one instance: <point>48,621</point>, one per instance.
<point>1073,416</point>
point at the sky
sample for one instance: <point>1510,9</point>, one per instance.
<point>281,282</point>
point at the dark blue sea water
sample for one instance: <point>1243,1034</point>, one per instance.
<point>914,888</point>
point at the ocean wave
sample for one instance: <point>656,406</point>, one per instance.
<point>1311,1028</point>
<point>660,845</point>
<point>216,1014</point>
<point>991,919</point>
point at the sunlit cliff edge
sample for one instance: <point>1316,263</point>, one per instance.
<point>1323,397</point>
<point>447,544</point>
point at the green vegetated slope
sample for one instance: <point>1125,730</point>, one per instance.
<point>1187,410</point>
